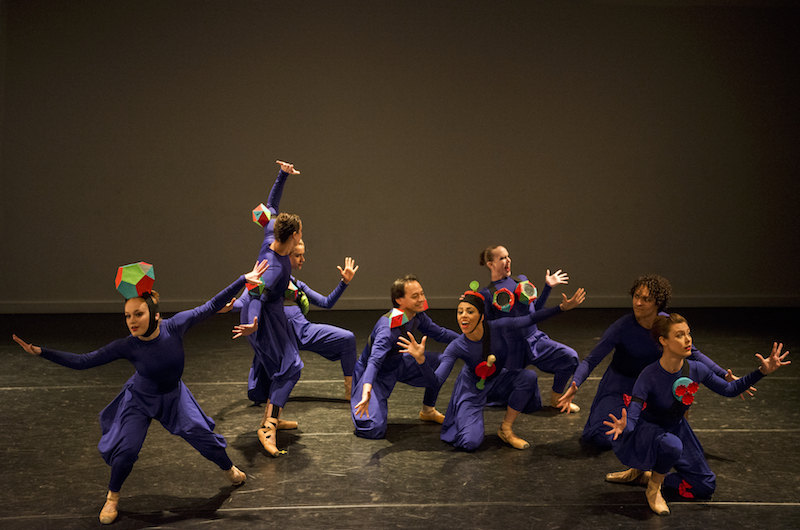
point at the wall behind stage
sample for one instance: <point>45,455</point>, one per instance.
<point>608,139</point>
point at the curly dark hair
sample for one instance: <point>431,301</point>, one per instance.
<point>659,288</point>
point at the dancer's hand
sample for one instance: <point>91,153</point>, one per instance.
<point>556,278</point>
<point>565,400</point>
<point>362,408</point>
<point>228,306</point>
<point>349,271</point>
<point>729,377</point>
<point>287,168</point>
<point>617,425</point>
<point>254,276</point>
<point>28,347</point>
<point>774,361</point>
<point>243,330</point>
<point>412,347</point>
<point>576,300</point>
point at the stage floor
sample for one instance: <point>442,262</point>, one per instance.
<point>52,476</point>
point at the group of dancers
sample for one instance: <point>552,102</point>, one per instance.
<point>638,411</point>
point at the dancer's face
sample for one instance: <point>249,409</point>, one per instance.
<point>678,341</point>
<point>500,266</point>
<point>413,300</point>
<point>298,256</point>
<point>468,317</point>
<point>644,305</point>
<point>137,316</point>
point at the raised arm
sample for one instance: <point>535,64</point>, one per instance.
<point>186,319</point>
<point>349,270</point>
<point>557,278</point>
<point>276,192</point>
<point>325,302</point>
<point>273,204</point>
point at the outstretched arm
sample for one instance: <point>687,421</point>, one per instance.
<point>774,361</point>
<point>186,319</point>
<point>729,377</point>
<point>557,278</point>
<point>576,300</point>
<point>349,271</point>
<point>27,346</point>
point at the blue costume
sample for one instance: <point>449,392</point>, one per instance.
<point>276,363</point>
<point>333,343</point>
<point>531,345</point>
<point>382,365</point>
<point>634,348</point>
<point>658,437</point>
<point>155,391</point>
<point>463,423</point>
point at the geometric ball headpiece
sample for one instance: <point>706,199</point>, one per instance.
<point>261,215</point>
<point>135,279</point>
<point>526,292</point>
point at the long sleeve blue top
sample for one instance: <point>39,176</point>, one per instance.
<point>158,362</point>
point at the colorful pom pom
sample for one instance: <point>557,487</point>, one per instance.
<point>526,292</point>
<point>503,300</point>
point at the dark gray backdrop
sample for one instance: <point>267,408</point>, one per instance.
<point>605,138</point>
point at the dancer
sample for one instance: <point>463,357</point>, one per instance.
<point>508,296</point>
<point>634,349</point>
<point>276,364</point>
<point>381,365</point>
<point>155,391</point>
<point>331,342</point>
<point>652,436</point>
<point>484,377</point>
